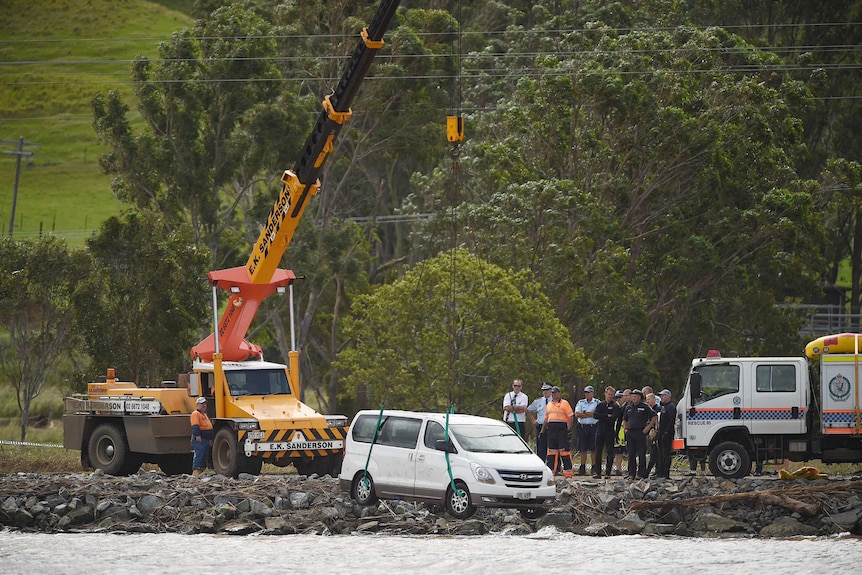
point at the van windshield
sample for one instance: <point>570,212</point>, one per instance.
<point>488,439</point>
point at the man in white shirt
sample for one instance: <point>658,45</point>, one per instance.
<point>584,412</point>
<point>515,408</point>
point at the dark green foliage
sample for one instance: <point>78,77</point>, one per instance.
<point>142,306</point>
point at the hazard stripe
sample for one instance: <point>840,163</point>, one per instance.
<point>311,434</point>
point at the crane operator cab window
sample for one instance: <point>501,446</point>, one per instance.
<point>257,382</point>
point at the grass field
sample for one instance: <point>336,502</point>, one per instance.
<point>55,56</point>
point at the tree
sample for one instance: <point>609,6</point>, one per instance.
<point>140,309</point>
<point>454,330</point>
<point>650,188</point>
<point>216,122</point>
<point>37,282</point>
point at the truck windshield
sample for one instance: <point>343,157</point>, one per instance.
<point>488,439</point>
<point>257,382</point>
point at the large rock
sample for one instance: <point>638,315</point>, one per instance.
<point>847,520</point>
<point>710,522</point>
<point>149,503</point>
<point>787,527</point>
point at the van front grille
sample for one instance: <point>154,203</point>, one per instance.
<point>521,478</point>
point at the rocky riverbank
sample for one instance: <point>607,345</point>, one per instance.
<point>150,502</point>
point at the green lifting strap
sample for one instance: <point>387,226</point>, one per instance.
<point>370,447</point>
<point>448,464</point>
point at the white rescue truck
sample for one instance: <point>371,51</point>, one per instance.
<point>736,411</point>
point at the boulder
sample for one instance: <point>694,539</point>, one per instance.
<point>847,520</point>
<point>787,527</point>
<point>710,522</point>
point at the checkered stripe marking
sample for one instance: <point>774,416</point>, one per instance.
<point>760,414</point>
<point>839,417</point>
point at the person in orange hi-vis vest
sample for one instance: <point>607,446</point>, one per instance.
<point>202,434</point>
<point>558,423</point>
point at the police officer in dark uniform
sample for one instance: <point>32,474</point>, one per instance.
<point>609,415</point>
<point>666,425</point>
<point>635,419</point>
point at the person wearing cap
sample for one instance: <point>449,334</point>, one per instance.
<point>536,412</point>
<point>635,420</point>
<point>515,408</point>
<point>558,423</point>
<point>585,411</point>
<point>202,434</point>
<point>666,424</point>
<point>608,414</point>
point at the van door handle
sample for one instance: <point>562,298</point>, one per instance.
<point>420,457</point>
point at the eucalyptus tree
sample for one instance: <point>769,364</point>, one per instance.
<point>141,306</point>
<point>218,129</point>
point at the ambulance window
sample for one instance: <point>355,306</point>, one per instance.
<point>776,378</point>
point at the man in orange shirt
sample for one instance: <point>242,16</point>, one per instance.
<point>558,424</point>
<point>202,434</point>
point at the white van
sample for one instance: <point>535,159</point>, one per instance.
<point>488,464</point>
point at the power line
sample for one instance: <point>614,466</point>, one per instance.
<point>830,48</point>
<point>480,33</point>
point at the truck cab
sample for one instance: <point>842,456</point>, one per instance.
<point>737,410</point>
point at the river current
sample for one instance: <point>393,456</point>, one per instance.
<point>547,551</point>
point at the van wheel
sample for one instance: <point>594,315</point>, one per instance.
<point>533,513</point>
<point>363,490</point>
<point>458,502</point>
<point>730,460</point>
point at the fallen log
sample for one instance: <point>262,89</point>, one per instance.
<point>806,509</point>
<point>781,496</point>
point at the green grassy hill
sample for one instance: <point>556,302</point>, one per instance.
<point>55,55</point>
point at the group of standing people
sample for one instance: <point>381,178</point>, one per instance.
<point>631,421</point>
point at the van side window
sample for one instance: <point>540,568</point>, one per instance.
<point>776,378</point>
<point>400,432</point>
<point>433,432</point>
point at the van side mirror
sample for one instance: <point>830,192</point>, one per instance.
<point>695,380</point>
<point>443,445</point>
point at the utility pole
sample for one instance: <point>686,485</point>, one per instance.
<point>20,153</point>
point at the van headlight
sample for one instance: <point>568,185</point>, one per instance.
<point>483,474</point>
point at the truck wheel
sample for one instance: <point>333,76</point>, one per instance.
<point>730,460</point>
<point>226,453</point>
<point>109,451</point>
<point>176,464</point>
<point>458,502</point>
<point>362,490</point>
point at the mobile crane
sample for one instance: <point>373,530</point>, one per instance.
<point>258,415</point>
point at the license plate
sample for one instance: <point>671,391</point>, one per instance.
<point>524,495</point>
